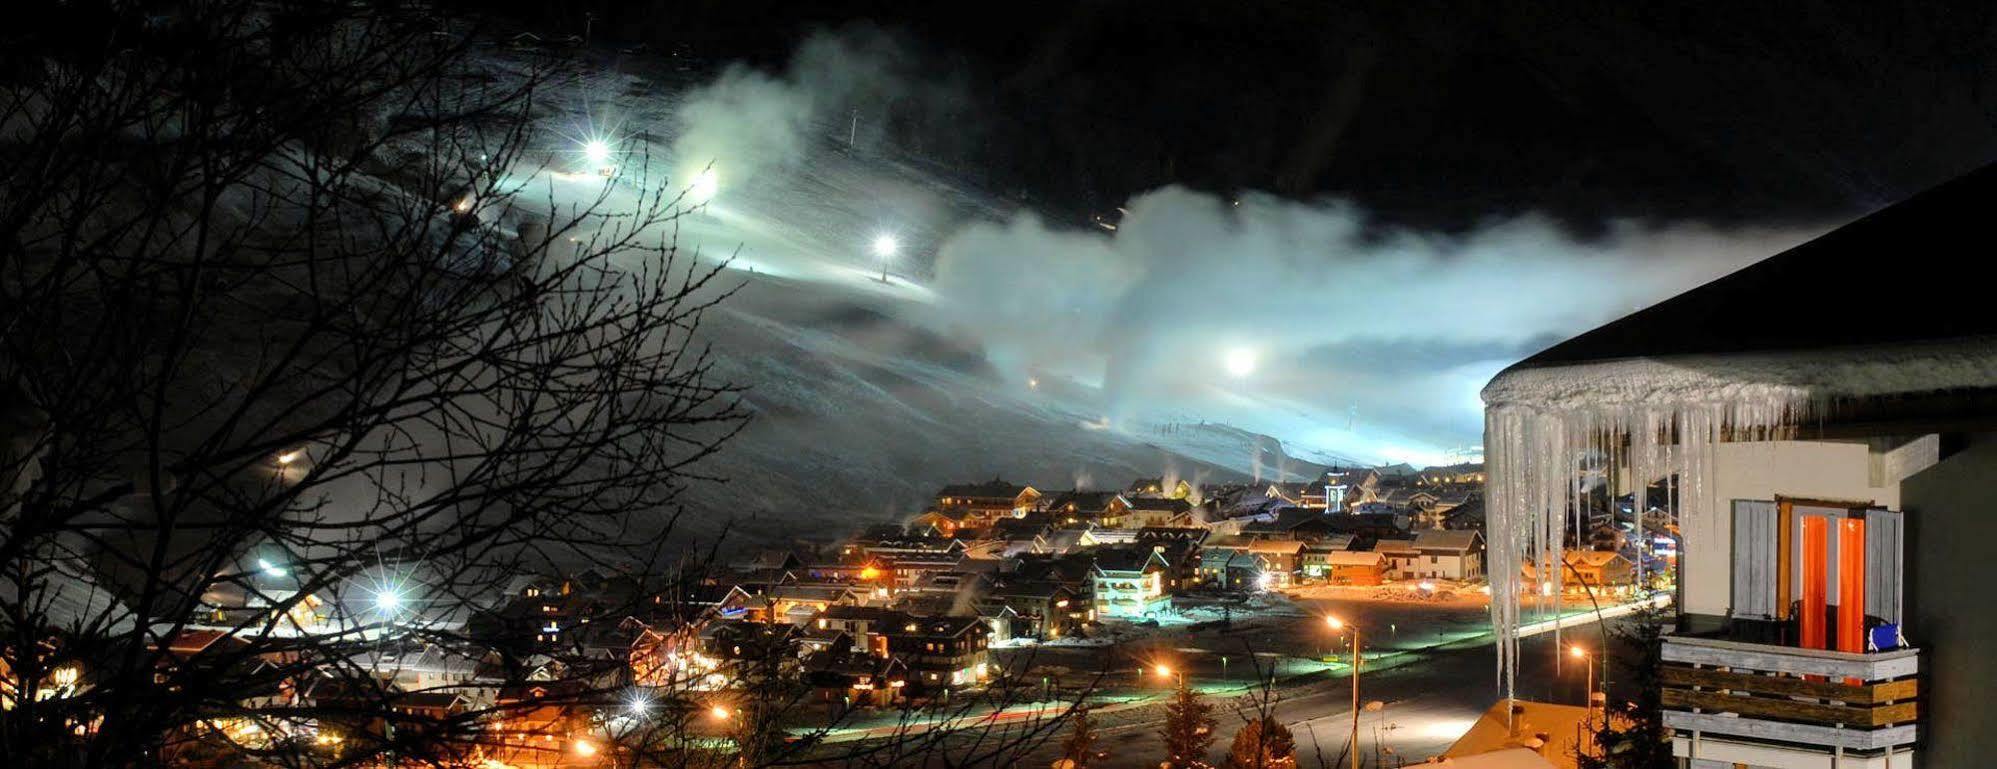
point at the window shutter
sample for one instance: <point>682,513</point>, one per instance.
<point>1754,559</point>
<point>1885,534</point>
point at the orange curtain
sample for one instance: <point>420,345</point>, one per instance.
<point>1851,585</point>
<point>1816,575</point>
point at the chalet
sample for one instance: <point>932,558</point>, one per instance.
<point>909,568</point>
<point>735,641</point>
<point>1070,540</point>
<point>1835,461</point>
<point>1402,557</point>
<point>797,604</point>
<point>1445,554</point>
<point>1043,609</point>
<point>990,500</point>
<point>855,678</point>
<point>1078,507</point>
<point>942,653</point>
<point>937,523</point>
<point>1316,561</point>
<point>1596,570</point>
<point>1356,567</point>
<point>865,627</point>
<point>1029,533</point>
<point>1297,523</point>
<point>1129,583</point>
<point>1180,545</point>
<point>1280,561</point>
<point>1294,494</point>
<point>1160,488</point>
<point>1157,512</point>
<point>1227,563</point>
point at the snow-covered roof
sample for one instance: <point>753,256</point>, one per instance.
<point>1457,540</point>
<point>1784,378</point>
<point>1355,558</point>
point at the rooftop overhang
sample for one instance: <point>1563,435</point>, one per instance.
<point>1840,392</point>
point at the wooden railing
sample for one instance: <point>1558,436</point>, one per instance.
<point>1812,696</point>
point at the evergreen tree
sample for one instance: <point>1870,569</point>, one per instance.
<point>1263,744</point>
<point>1631,732</point>
<point>1080,748</point>
<point>1188,730</point>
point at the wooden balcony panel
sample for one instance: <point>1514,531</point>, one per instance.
<point>1792,710</point>
<point>1713,652</point>
<point>1862,694</point>
<point>1783,731</point>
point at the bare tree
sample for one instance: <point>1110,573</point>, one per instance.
<point>344,415</point>
<point>310,347</point>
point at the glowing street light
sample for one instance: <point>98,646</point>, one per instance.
<point>1336,624</point>
<point>720,713</point>
<point>1582,654</point>
<point>585,748</point>
<point>269,568</point>
<point>289,457</point>
<point>885,247</point>
<point>596,152</point>
<point>388,601</point>
<point>638,705</point>
<point>1164,671</point>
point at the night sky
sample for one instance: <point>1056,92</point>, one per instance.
<point>1436,115</point>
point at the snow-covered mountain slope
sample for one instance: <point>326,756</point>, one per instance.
<point>859,418</point>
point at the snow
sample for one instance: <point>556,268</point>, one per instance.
<point>1546,427</point>
<point>1795,378</point>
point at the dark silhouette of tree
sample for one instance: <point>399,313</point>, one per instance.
<point>1631,734</point>
<point>1263,743</point>
<point>1189,728</point>
<point>1078,750</point>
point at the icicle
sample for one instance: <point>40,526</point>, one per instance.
<point>1537,456</point>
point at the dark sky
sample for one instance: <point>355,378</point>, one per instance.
<point>1441,114</point>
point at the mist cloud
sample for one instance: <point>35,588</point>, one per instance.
<point>1341,315</point>
<point>1369,340</point>
<point>747,122</point>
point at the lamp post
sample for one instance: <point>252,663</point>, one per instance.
<point>1338,624</point>
<point>885,247</point>
<point>1588,697</point>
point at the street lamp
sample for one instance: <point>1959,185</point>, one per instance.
<point>885,247</point>
<point>1589,697</point>
<point>1338,624</point>
<point>638,704</point>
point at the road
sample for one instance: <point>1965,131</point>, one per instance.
<point>1435,677</point>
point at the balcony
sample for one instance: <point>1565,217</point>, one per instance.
<point>1862,707</point>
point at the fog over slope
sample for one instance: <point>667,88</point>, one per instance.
<point>1186,333</point>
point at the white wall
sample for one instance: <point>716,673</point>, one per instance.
<point>1820,470</point>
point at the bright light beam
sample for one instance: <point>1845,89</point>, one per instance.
<point>1239,362</point>
<point>704,186</point>
<point>597,152</point>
